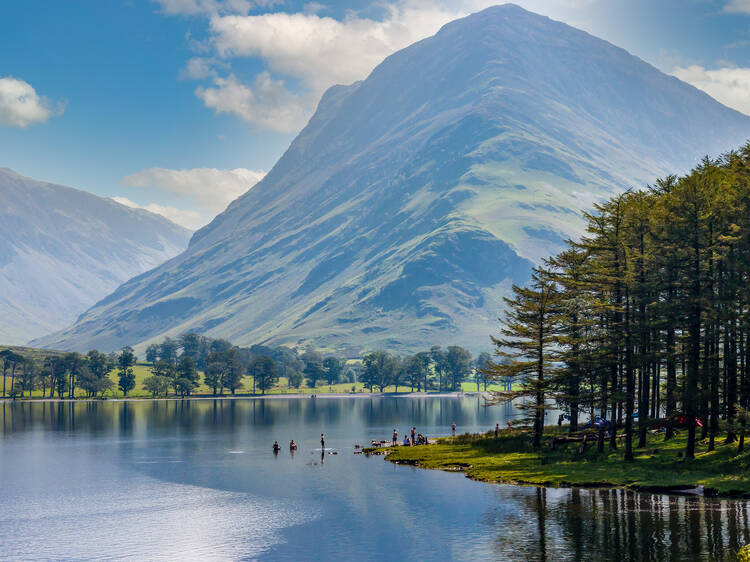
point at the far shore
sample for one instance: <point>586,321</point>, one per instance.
<point>290,395</point>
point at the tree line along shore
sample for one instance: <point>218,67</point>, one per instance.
<point>194,365</point>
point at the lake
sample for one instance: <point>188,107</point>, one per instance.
<point>198,479</point>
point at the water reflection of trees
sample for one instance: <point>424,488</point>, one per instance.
<point>180,417</point>
<point>615,524</point>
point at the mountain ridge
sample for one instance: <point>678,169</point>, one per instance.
<point>486,139</point>
<point>62,249</point>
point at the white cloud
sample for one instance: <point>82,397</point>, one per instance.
<point>266,104</point>
<point>737,7</point>
<point>20,105</point>
<point>315,52</point>
<point>198,68</point>
<point>313,7</point>
<point>730,86</point>
<point>323,51</point>
<point>211,189</point>
<point>194,7</point>
<point>189,219</point>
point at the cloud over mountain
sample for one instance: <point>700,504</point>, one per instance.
<point>210,188</point>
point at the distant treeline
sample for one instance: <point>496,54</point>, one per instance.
<point>649,313</point>
<point>178,366</point>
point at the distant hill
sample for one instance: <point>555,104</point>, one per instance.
<point>62,249</point>
<point>410,203</point>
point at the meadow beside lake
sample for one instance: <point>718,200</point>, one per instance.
<point>510,459</point>
<point>143,370</point>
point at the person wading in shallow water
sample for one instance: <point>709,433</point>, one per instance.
<point>322,441</point>
<point>276,447</point>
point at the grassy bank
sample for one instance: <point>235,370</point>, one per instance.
<point>510,459</point>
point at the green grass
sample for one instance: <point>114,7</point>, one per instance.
<point>468,386</point>
<point>510,459</point>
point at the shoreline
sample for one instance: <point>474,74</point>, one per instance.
<point>716,474</point>
<point>291,395</point>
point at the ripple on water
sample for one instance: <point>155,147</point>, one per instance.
<point>147,519</point>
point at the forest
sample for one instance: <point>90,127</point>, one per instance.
<point>644,322</point>
<point>193,364</point>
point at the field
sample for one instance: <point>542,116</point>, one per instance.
<point>658,466</point>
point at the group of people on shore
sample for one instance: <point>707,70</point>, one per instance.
<point>410,439</point>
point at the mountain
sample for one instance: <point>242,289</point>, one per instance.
<point>412,200</point>
<point>62,249</point>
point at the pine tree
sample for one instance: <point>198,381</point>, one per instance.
<point>527,346</point>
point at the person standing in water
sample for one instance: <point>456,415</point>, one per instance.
<point>276,447</point>
<point>322,441</point>
<point>395,437</point>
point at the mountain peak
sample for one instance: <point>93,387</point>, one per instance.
<point>413,199</point>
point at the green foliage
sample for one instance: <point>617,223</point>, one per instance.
<point>156,385</point>
<point>264,373</point>
<point>334,369</point>
<point>126,377</point>
<point>152,353</point>
<point>295,379</point>
<point>380,370</point>
<point>168,351</point>
<point>648,311</point>
<point>416,370</point>
<point>458,366</point>
<point>187,376</point>
<point>529,347</point>
<point>313,370</point>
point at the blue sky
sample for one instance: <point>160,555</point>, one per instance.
<point>179,106</point>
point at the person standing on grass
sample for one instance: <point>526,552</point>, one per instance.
<point>453,427</point>
<point>395,437</point>
<point>413,435</point>
<point>497,430</point>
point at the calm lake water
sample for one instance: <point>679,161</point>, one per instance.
<point>198,479</point>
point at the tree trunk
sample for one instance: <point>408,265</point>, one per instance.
<point>694,340</point>
<point>629,384</point>
<point>13,380</point>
